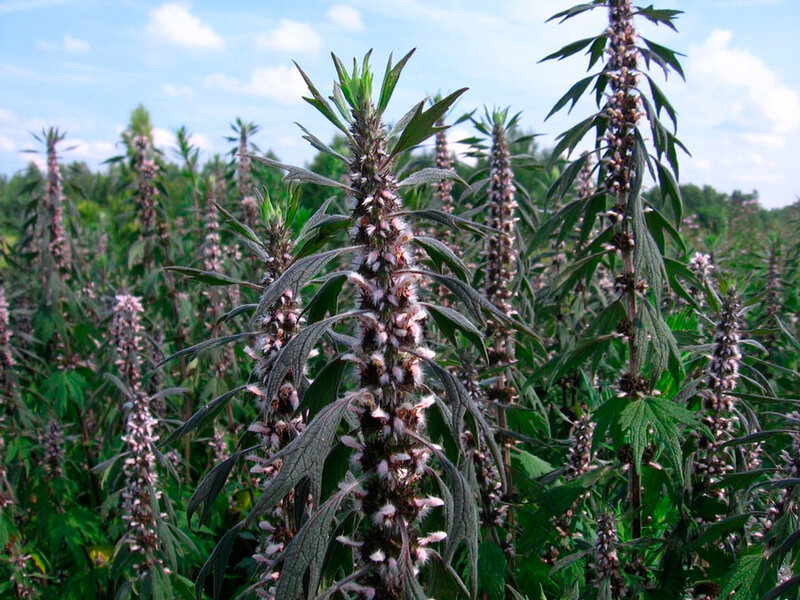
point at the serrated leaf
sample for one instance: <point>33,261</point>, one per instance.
<point>296,276</point>
<point>448,219</point>
<point>202,416</point>
<point>430,175</point>
<point>303,458</point>
<point>320,145</point>
<point>321,104</point>
<point>461,516</point>
<point>193,351</point>
<point>744,577</point>
<point>210,487</point>
<point>569,49</point>
<point>303,557</point>
<point>294,355</point>
<point>492,568</point>
<point>573,94</point>
<point>448,320</point>
<point>461,403</point>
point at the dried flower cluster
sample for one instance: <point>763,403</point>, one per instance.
<point>606,558</point>
<point>53,450</point>
<point>623,108</point>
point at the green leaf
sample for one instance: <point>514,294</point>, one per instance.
<point>569,49</point>
<point>574,94</point>
<point>212,278</point>
<point>492,567</point>
<point>318,102</point>
<point>202,416</point>
<point>430,175</point>
<point>390,79</point>
<point>440,253</point>
<point>448,320</point>
<point>210,487</point>
<point>422,124</point>
<point>217,563</point>
<point>294,355</point>
<point>302,175</point>
<point>666,56</point>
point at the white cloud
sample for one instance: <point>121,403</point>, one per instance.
<point>281,83</point>
<point>174,24</point>
<point>177,91</point>
<point>90,151</point>
<point>7,144</point>
<point>346,17</point>
<point>67,44</point>
<point>291,36</point>
<point>460,149</point>
<point>758,102</point>
<point>164,139</point>
<point>12,6</point>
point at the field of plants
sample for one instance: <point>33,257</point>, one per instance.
<point>392,375</point>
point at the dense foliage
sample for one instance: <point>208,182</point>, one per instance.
<point>394,374</point>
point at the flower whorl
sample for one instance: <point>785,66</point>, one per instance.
<point>277,426</point>
<point>443,190</point>
<point>212,253</point>
<point>249,202</point>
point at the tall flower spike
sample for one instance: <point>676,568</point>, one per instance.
<point>443,190</point>
<point>126,336</point>
<point>248,200</point>
<point>59,246</point>
<point>579,460</point>
<point>606,557</point>
<point>703,267</point>
<point>276,426</point>
<point>501,269</point>
<point>6,359</point>
<point>388,351</point>
<point>146,170</point>
<point>140,497</point>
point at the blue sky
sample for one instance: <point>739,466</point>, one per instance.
<point>82,65</point>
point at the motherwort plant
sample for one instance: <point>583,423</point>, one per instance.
<point>398,475</point>
<point>630,243</point>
